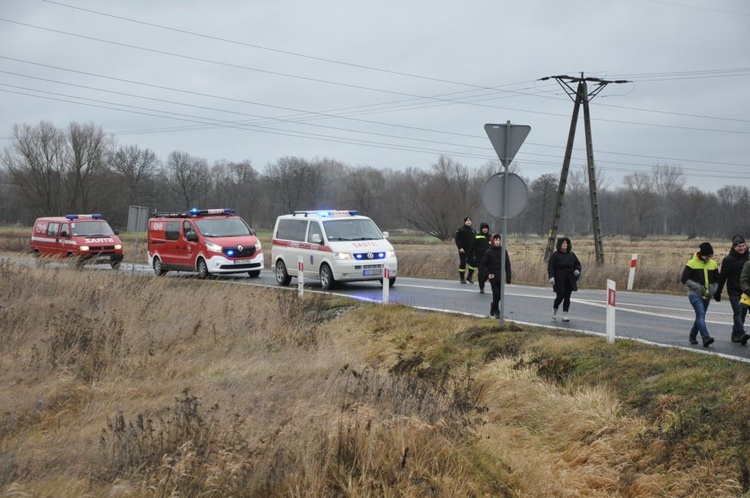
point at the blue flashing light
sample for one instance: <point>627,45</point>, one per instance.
<point>230,252</point>
<point>84,216</point>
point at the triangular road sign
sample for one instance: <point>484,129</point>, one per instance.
<point>506,139</point>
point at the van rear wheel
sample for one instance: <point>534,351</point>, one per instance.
<point>202,268</point>
<point>326,277</point>
<point>158,269</point>
<point>282,276</point>
<point>115,264</point>
<point>254,273</point>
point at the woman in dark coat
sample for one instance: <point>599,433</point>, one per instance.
<point>563,270</point>
<point>492,266</point>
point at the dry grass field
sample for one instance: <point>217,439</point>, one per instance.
<point>119,386</point>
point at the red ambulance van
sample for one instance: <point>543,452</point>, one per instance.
<point>207,241</point>
<point>81,238</point>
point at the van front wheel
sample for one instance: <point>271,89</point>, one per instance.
<point>254,273</point>
<point>282,277</point>
<point>202,268</point>
<point>326,277</point>
<point>391,281</point>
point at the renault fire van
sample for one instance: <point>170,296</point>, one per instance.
<point>81,238</point>
<point>335,246</point>
<point>207,241</point>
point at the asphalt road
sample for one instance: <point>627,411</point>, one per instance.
<point>658,319</point>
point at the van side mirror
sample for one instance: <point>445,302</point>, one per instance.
<point>386,235</point>
<point>192,237</point>
<point>116,232</point>
<point>316,238</point>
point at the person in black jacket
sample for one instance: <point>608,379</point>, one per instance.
<point>731,268</point>
<point>493,267</point>
<point>563,270</point>
<point>481,244</point>
<point>465,244</point>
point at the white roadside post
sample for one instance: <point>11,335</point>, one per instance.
<point>631,275</point>
<point>611,291</point>
<point>300,276</point>
<point>386,284</point>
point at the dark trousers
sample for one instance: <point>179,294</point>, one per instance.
<point>563,297</point>
<point>462,263</point>
<point>496,296</point>
<point>482,277</point>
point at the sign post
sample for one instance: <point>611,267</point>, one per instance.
<point>611,302</point>
<point>506,140</point>
<point>300,276</point>
<point>137,222</point>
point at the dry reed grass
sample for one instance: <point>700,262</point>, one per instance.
<point>120,386</point>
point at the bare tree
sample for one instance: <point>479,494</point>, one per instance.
<point>642,202</point>
<point>363,189</point>
<point>294,184</point>
<point>188,179</point>
<point>136,167</point>
<point>435,202</point>
<point>667,182</point>
<point>87,150</point>
<point>238,187</point>
<point>35,162</point>
<point>541,204</point>
<point>734,205</point>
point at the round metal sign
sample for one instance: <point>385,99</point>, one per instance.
<point>493,192</point>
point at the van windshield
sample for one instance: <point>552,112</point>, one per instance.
<point>223,227</point>
<point>361,229</point>
<point>91,228</point>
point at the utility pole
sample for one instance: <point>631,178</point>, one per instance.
<point>582,98</point>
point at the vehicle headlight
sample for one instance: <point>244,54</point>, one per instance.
<point>118,247</point>
<point>213,247</point>
<point>342,256</point>
<point>258,246</point>
<point>390,254</point>
<point>83,248</point>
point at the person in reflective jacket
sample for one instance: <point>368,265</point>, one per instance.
<point>701,279</point>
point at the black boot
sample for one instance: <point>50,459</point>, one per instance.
<point>461,277</point>
<point>468,278</point>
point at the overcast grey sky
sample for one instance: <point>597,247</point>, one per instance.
<point>392,83</point>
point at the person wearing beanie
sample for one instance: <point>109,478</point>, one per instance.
<point>465,243</point>
<point>731,270</point>
<point>563,270</point>
<point>492,262</point>
<point>701,279</point>
<point>481,244</point>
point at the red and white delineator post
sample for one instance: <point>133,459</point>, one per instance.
<point>631,275</point>
<point>300,276</point>
<point>386,284</point>
<point>611,302</point>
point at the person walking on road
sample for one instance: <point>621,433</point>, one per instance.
<point>492,265</point>
<point>465,242</point>
<point>731,268</point>
<point>563,270</point>
<point>701,279</point>
<point>481,244</point>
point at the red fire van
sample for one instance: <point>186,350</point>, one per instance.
<point>207,241</point>
<point>81,238</point>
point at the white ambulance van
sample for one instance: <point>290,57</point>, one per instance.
<point>335,246</point>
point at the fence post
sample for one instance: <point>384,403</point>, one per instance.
<point>611,302</point>
<point>631,275</point>
<point>300,276</point>
<point>386,284</point>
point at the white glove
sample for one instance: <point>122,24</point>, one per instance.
<point>576,273</point>
<point>552,280</point>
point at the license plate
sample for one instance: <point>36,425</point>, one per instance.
<point>368,273</point>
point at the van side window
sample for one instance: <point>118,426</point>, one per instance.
<point>64,232</point>
<point>187,228</point>
<point>172,231</point>
<point>314,229</point>
<point>52,229</point>
<point>292,230</point>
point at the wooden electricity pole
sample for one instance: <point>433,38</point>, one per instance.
<point>582,98</point>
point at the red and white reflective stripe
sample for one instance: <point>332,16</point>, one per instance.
<point>634,261</point>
